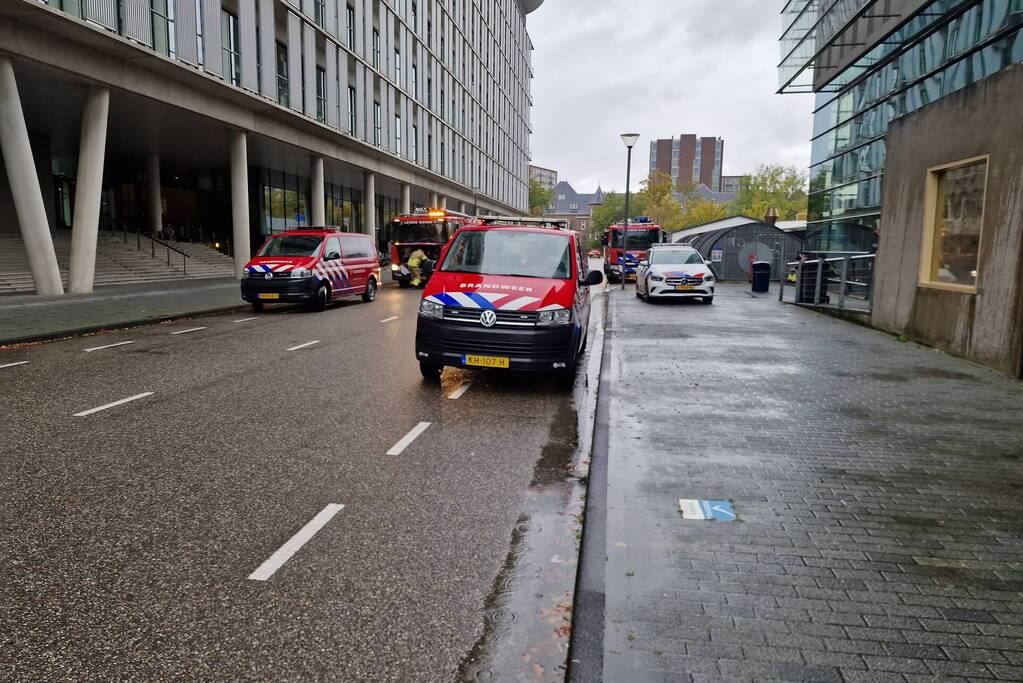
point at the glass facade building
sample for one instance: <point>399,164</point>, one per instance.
<point>870,62</point>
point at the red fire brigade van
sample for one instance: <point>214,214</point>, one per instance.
<point>641,234</point>
<point>423,229</point>
<point>508,293</point>
<point>313,266</point>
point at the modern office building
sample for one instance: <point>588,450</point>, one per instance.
<point>870,62</point>
<point>546,177</point>
<point>689,160</point>
<point>732,183</point>
<point>924,98</point>
<point>233,119</point>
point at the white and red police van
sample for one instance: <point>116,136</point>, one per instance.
<point>509,293</point>
<point>311,266</point>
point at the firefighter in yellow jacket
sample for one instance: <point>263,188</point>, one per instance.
<point>415,261</point>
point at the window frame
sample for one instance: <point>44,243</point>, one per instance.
<point>930,214</point>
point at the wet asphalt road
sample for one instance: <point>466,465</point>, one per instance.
<point>129,533</point>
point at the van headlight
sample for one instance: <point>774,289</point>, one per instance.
<point>300,273</point>
<point>559,316</point>
<point>431,309</point>
<point>246,275</point>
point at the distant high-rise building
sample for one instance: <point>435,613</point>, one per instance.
<point>545,176</point>
<point>731,183</point>
<point>689,160</point>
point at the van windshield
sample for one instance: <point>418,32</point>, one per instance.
<point>291,245</point>
<point>638,239</point>
<point>506,252</point>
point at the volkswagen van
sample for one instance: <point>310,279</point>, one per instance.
<point>511,294</point>
<point>311,266</point>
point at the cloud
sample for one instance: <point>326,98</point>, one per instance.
<point>659,68</point>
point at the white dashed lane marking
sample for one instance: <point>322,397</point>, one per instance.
<point>11,365</point>
<point>302,346</point>
<point>457,393</point>
<point>90,411</point>
<point>387,320</point>
<point>295,543</point>
<point>397,448</point>
<point>190,329</point>
<point>108,346</point>
<point>245,320</point>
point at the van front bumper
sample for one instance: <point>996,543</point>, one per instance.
<point>538,348</point>
<point>286,289</point>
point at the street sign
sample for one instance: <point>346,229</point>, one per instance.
<point>717,255</point>
<point>707,509</point>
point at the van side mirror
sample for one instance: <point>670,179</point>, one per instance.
<point>426,268</point>
<point>332,256</point>
<point>644,262</point>
<point>594,277</point>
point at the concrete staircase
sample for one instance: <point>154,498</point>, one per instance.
<point>117,263</point>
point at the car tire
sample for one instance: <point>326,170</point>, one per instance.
<point>257,306</point>
<point>708,300</point>
<point>319,300</point>
<point>371,291</point>
<point>430,371</point>
<point>564,380</point>
<point>405,284</point>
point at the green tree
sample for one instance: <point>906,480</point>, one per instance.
<point>539,197</point>
<point>659,201</point>
<point>772,186</point>
<point>702,211</point>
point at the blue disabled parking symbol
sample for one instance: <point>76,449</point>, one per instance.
<point>706,509</point>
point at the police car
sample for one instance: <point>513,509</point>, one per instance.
<point>509,293</point>
<point>674,271</point>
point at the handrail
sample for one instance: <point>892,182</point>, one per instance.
<point>153,241</point>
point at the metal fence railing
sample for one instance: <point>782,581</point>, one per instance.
<point>844,281</point>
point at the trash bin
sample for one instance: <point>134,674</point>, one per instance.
<point>761,276</point>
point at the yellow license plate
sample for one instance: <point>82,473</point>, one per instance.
<point>685,287</point>
<point>486,361</point>
<point>269,295</point>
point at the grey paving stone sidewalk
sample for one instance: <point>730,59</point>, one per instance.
<point>26,316</point>
<point>877,484</point>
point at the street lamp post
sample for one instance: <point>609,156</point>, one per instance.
<point>630,140</point>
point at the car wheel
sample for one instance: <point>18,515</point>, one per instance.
<point>430,371</point>
<point>257,306</point>
<point>708,299</point>
<point>371,291</point>
<point>319,301</point>
<point>564,380</point>
<point>404,284</point>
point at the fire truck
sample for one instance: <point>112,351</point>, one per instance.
<point>425,229</point>
<point>642,233</point>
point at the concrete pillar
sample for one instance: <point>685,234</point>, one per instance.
<point>406,198</point>
<point>434,200</point>
<point>443,202</point>
<point>319,196</point>
<point>461,207</point>
<point>153,198</point>
<point>240,201</point>
<point>369,204</point>
<point>24,181</point>
<point>88,191</point>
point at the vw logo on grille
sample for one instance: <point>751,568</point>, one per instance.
<point>488,318</point>
<point>268,276</point>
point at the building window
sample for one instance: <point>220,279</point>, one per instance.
<point>321,95</point>
<point>953,223</point>
<point>351,111</point>
<point>415,144</point>
<point>397,67</point>
<point>229,42</point>
<point>282,75</point>
<point>350,14</point>
<point>429,93</point>
<point>429,151</point>
<point>442,158</point>
<point>561,197</point>
<point>415,15</point>
<point>574,207</point>
<point>320,12</point>
<point>397,134</point>
<point>415,82</point>
<point>376,49</point>
<point>376,123</point>
<point>163,35</point>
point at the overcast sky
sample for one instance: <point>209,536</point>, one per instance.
<point>659,68</point>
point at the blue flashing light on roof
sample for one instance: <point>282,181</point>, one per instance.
<point>641,219</point>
